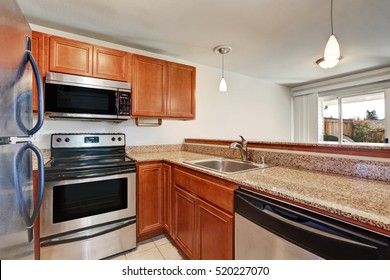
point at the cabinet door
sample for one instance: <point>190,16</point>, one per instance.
<point>167,193</point>
<point>215,233</point>
<point>149,87</point>
<point>185,233</point>
<point>37,49</point>
<point>181,91</point>
<point>109,64</point>
<point>69,56</point>
<point>150,199</point>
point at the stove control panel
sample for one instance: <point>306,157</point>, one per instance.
<point>81,140</point>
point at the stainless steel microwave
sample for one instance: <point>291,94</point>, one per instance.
<point>70,96</point>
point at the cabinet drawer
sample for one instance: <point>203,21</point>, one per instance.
<point>216,191</point>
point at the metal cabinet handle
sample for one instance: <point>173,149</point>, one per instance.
<point>144,124</point>
<point>29,220</point>
<point>38,80</point>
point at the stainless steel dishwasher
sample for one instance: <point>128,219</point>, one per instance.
<point>266,228</point>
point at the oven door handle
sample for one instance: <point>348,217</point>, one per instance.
<point>111,172</point>
<point>86,233</point>
<point>86,174</point>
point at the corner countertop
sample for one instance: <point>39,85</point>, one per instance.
<point>361,200</point>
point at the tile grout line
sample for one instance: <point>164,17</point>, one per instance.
<point>159,251</point>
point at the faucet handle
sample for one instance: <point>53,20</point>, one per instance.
<point>243,139</point>
<point>262,160</point>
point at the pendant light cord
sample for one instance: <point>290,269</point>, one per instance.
<point>223,66</point>
<point>331,16</point>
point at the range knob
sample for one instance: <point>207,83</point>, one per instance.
<point>67,139</point>
<point>59,140</point>
<point>119,138</point>
<point>113,139</point>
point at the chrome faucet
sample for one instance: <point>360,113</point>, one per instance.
<point>243,147</point>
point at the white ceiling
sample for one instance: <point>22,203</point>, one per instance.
<point>275,40</point>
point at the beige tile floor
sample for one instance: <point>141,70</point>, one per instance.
<point>157,248</point>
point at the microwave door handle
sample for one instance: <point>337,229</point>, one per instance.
<point>117,102</point>
<point>38,80</point>
<point>29,220</point>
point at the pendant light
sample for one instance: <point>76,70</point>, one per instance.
<point>223,50</point>
<point>332,49</point>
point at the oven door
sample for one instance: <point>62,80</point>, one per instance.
<point>76,204</point>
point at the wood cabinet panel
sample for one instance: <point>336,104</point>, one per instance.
<point>167,193</point>
<point>70,56</point>
<point>149,87</point>
<point>219,192</point>
<point>215,233</point>
<point>185,233</point>
<point>38,51</point>
<point>181,91</point>
<point>150,199</point>
<point>109,64</point>
<point>211,237</point>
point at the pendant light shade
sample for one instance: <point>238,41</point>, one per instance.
<point>332,54</point>
<point>223,85</point>
<point>223,50</point>
<point>332,49</point>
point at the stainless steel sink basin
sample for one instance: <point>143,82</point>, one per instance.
<point>227,166</point>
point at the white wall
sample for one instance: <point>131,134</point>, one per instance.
<point>256,109</point>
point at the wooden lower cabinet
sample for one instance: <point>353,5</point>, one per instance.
<point>167,197</point>
<point>185,210</point>
<point>149,200</point>
<point>196,210</point>
<point>202,230</point>
<point>215,229</point>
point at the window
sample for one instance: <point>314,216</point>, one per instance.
<point>352,108</point>
<point>353,118</point>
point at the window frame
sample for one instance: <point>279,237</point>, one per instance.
<point>340,97</point>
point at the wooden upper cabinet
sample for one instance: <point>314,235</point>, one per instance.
<point>163,89</point>
<point>109,64</point>
<point>38,41</point>
<point>70,56</point>
<point>149,87</point>
<point>181,91</point>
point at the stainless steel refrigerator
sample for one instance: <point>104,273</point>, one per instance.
<point>18,206</point>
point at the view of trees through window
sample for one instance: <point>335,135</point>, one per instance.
<point>362,118</point>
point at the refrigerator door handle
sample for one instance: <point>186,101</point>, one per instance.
<point>29,220</point>
<point>38,80</point>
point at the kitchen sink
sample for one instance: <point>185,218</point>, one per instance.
<point>227,166</point>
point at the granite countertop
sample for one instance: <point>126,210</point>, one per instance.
<point>362,200</point>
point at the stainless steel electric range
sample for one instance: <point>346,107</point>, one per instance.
<point>88,210</point>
